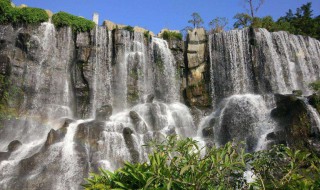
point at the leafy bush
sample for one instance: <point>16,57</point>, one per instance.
<point>146,34</point>
<point>315,86</point>
<point>128,28</point>
<point>78,24</point>
<point>284,168</point>
<point>26,15</point>
<point>181,164</point>
<point>170,35</point>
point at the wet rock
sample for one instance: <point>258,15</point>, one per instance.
<point>149,98</point>
<point>208,132</point>
<point>251,143</point>
<point>278,136</point>
<point>131,145</point>
<point>67,122</point>
<point>297,92</point>
<point>139,125</point>
<point>295,121</point>
<point>4,155</point>
<point>238,119</point>
<point>23,41</point>
<point>55,136</point>
<point>14,145</point>
<point>134,116</point>
<point>127,131</point>
<point>103,113</point>
<point>5,66</point>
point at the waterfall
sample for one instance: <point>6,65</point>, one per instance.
<point>66,76</point>
<point>240,118</point>
<point>261,62</point>
<point>313,114</point>
<point>101,65</point>
<point>166,84</point>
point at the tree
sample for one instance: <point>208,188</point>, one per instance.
<point>196,20</point>
<point>217,25</point>
<point>243,20</point>
<point>254,6</point>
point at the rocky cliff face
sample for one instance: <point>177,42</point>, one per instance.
<point>77,102</point>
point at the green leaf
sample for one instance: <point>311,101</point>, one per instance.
<point>169,184</point>
<point>184,169</point>
<point>120,184</point>
<point>149,181</point>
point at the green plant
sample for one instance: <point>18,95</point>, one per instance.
<point>78,24</point>
<point>147,35</point>
<point>315,86</point>
<point>178,164</point>
<point>181,164</point>
<point>284,168</point>
<point>25,15</point>
<point>171,35</point>
<point>128,28</point>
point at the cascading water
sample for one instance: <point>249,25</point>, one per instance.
<point>64,79</point>
<point>262,62</point>
<point>167,87</point>
<point>101,65</point>
<point>240,118</point>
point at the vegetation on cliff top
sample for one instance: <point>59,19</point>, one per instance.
<point>78,24</point>
<point>25,15</point>
<point>171,35</point>
<point>302,22</point>
<point>181,164</point>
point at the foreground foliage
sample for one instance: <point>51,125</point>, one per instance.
<point>181,164</point>
<point>78,24</point>
<point>25,15</point>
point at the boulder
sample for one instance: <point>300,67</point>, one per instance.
<point>14,145</point>
<point>295,121</point>
<point>127,135</point>
<point>149,98</point>
<point>207,132</point>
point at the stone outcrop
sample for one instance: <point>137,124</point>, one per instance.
<point>111,26</point>
<point>295,124</point>
<point>196,90</point>
<point>104,112</point>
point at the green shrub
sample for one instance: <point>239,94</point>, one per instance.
<point>146,34</point>
<point>78,24</point>
<point>170,35</point>
<point>128,28</point>
<point>315,86</point>
<point>26,15</point>
<point>32,15</point>
<point>181,164</point>
<point>283,168</point>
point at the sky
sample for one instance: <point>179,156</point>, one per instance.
<point>155,15</point>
